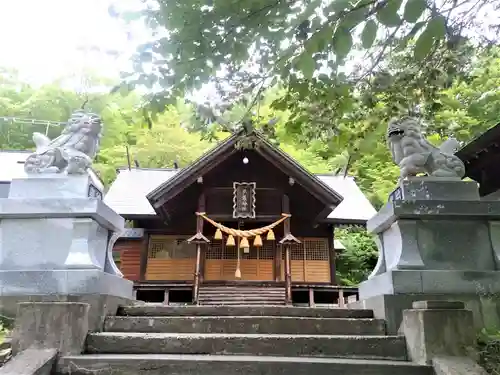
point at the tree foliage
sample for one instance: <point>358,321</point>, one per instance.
<point>254,41</point>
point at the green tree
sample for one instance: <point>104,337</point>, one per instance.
<point>295,40</point>
<point>359,258</point>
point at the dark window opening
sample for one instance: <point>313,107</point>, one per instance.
<point>180,296</point>
<point>300,297</point>
<point>155,296</point>
<point>325,297</point>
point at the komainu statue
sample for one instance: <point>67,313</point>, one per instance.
<point>72,152</point>
<point>414,154</point>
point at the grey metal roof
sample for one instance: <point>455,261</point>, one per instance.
<point>355,205</point>
<point>127,194</point>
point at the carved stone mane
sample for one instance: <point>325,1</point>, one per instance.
<point>414,154</point>
<point>72,152</point>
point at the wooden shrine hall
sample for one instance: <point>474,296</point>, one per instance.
<point>245,223</point>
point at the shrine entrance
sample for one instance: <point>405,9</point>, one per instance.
<point>256,263</point>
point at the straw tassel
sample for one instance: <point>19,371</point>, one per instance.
<point>257,242</point>
<point>237,273</point>
<point>218,234</point>
<point>244,243</point>
<point>230,241</point>
<point>270,235</point>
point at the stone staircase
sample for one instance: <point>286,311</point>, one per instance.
<point>249,340</point>
<point>241,295</point>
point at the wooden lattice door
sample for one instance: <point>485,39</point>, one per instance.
<point>256,265</point>
<point>310,261</point>
<point>170,258</point>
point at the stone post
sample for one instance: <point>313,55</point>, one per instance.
<point>438,329</point>
<point>56,243</point>
<point>437,240</point>
<point>51,325</point>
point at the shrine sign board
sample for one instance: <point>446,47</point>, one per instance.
<point>244,200</point>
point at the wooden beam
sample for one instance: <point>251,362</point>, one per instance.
<point>285,208</point>
<point>144,256</point>
<point>323,214</point>
<point>332,255</point>
<point>229,218</point>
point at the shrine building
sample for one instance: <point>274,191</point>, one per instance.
<point>243,224</point>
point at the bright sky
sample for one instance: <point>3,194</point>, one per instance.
<point>47,39</point>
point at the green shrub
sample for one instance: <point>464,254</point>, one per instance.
<point>489,350</point>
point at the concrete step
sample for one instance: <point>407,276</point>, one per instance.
<point>152,309</point>
<point>245,324</point>
<point>242,365</point>
<point>240,289</point>
<point>249,297</point>
<point>242,301</point>
<point>216,294</point>
<point>239,303</point>
<point>362,347</point>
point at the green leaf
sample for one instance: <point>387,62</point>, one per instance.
<point>306,64</point>
<point>342,42</point>
<point>413,10</point>
<point>319,40</point>
<point>353,18</point>
<point>423,46</point>
<point>437,27</point>
<point>336,6</point>
<point>435,30</point>
<point>388,15</point>
<point>369,34</point>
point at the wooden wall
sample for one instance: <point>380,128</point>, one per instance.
<point>171,258</point>
<point>130,258</point>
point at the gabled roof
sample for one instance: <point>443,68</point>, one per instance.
<point>127,194</point>
<point>274,155</point>
<point>478,146</point>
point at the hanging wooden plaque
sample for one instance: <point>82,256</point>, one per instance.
<point>244,200</point>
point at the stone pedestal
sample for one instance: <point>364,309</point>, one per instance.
<point>59,325</point>
<point>56,238</point>
<point>435,237</point>
<point>438,328</point>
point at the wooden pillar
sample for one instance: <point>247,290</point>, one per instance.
<point>311,298</point>
<point>288,275</point>
<point>332,255</point>
<point>200,240</point>
<point>144,256</point>
<point>203,255</point>
<point>196,286</point>
<point>341,298</point>
<point>278,256</point>
<point>287,233</point>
